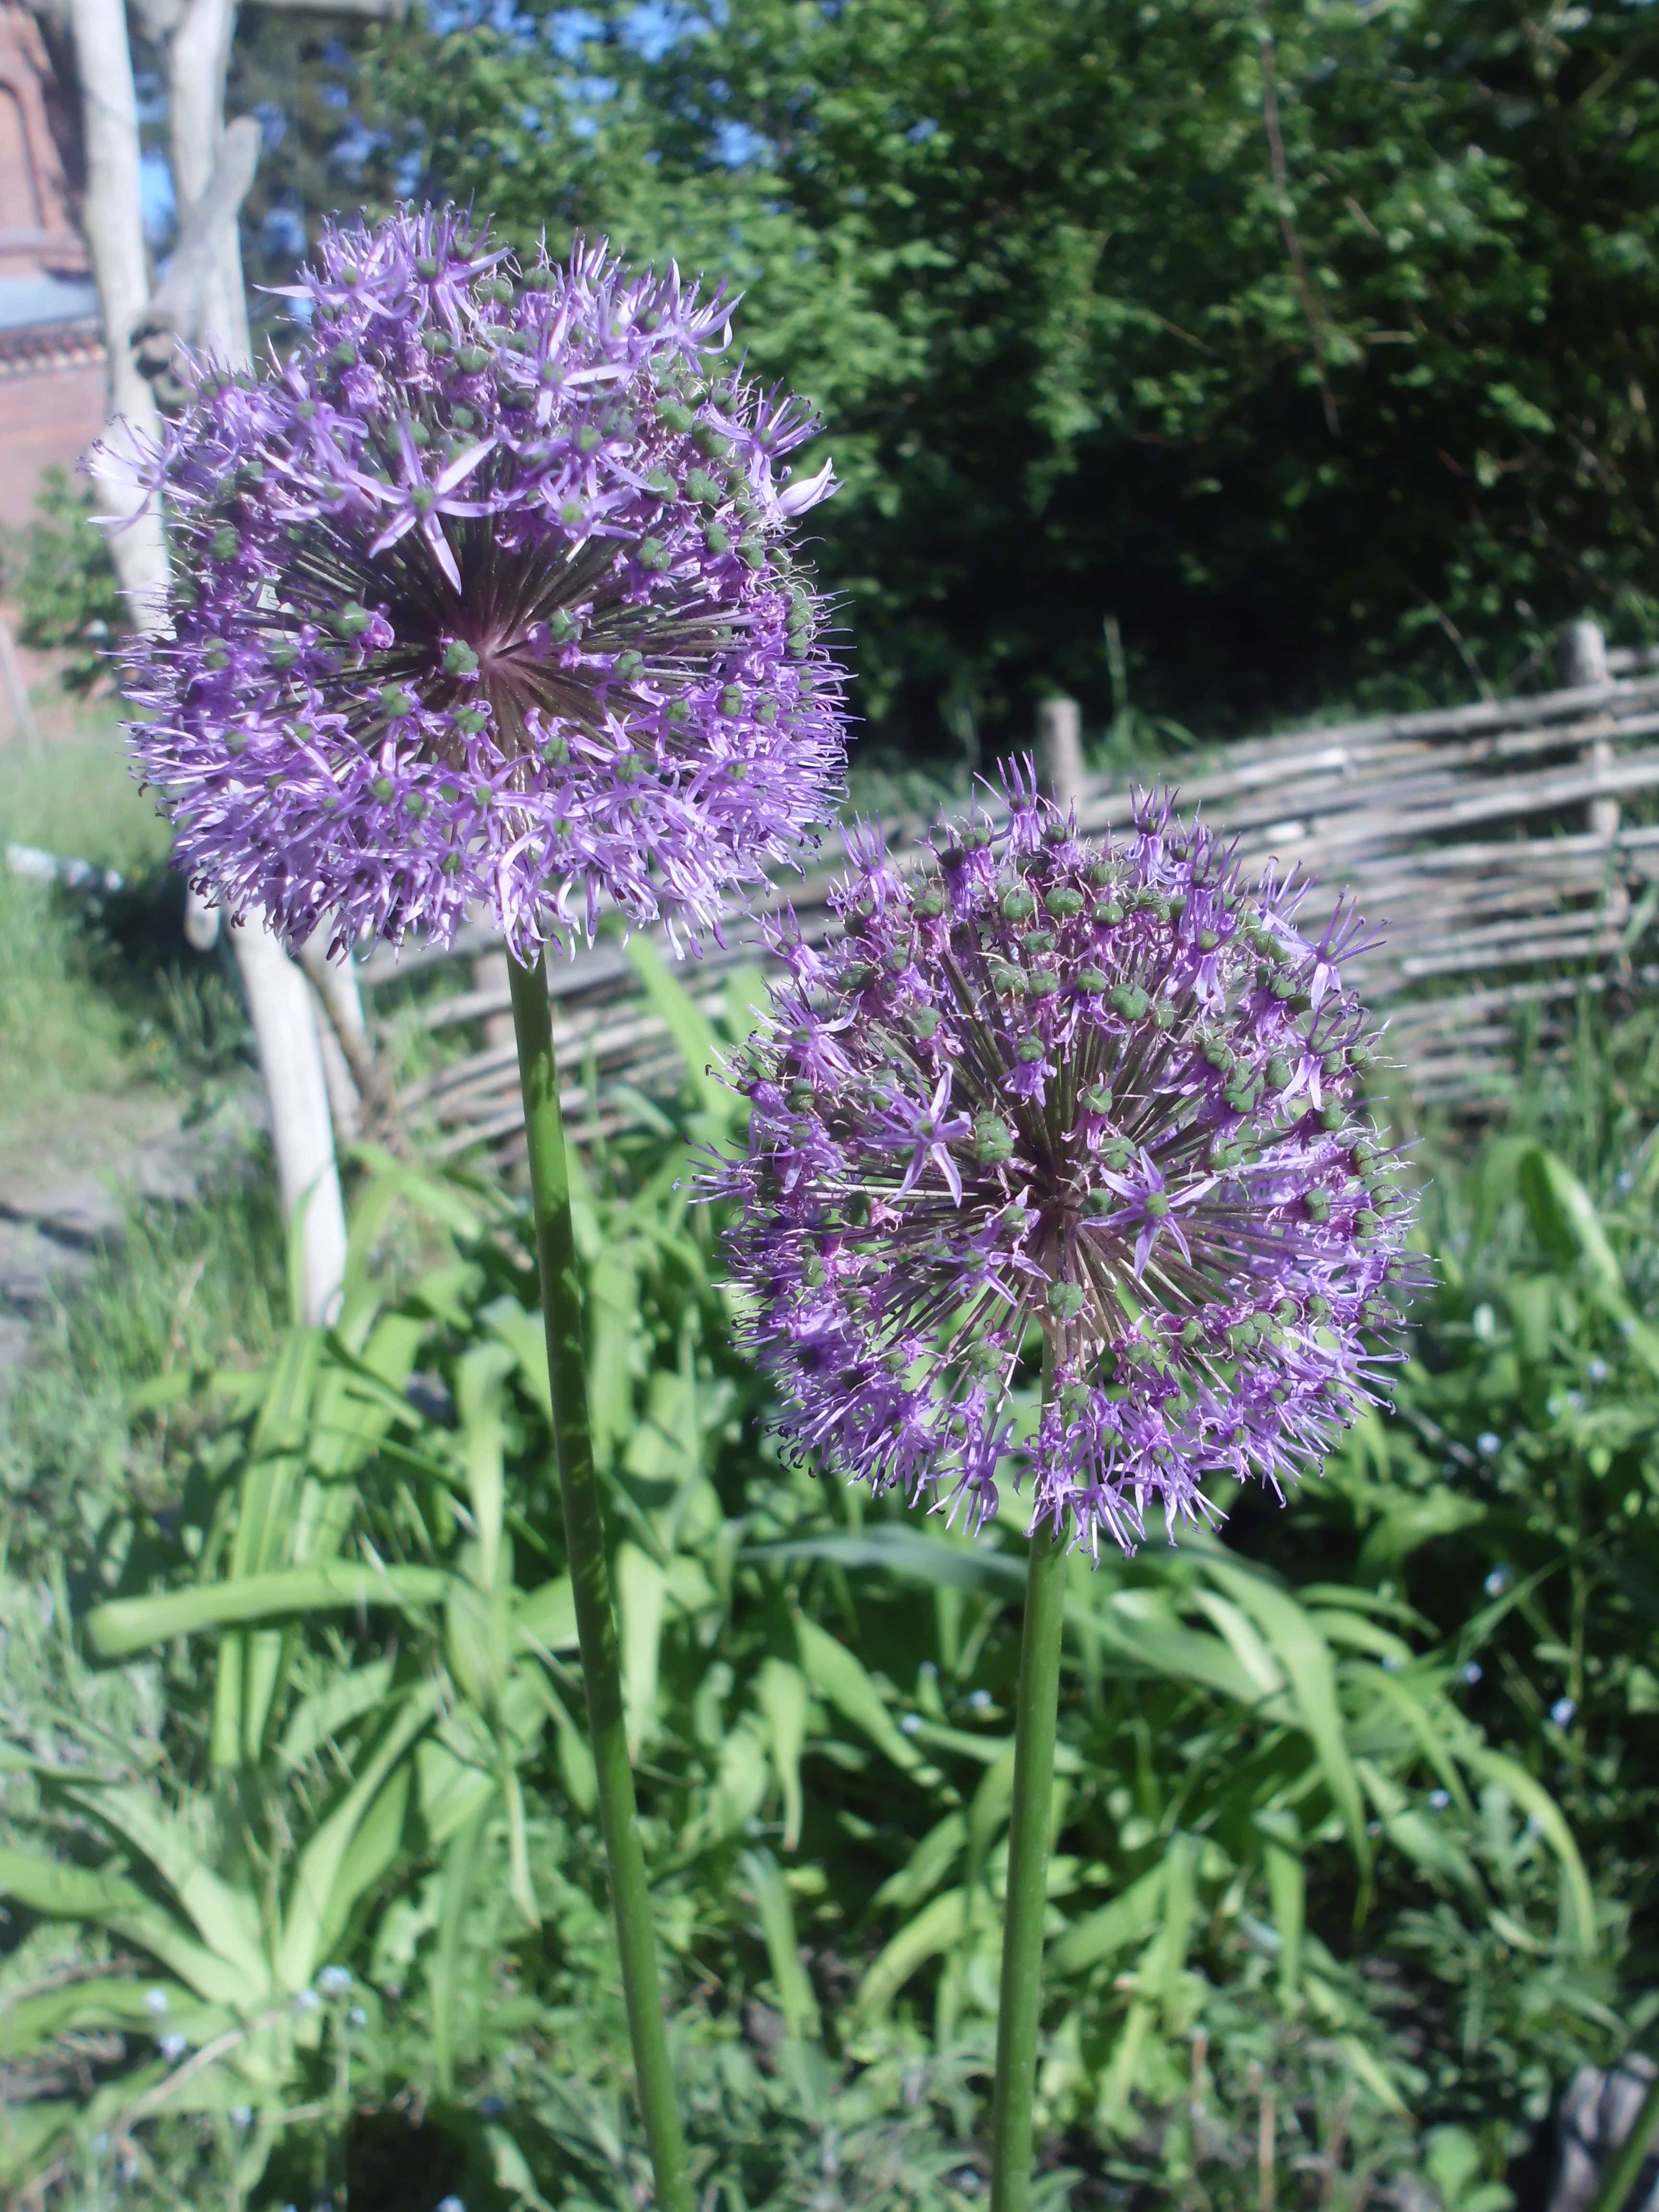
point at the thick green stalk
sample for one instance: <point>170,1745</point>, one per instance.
<point>1019,2010</point>
<point>1619,2179</point>
<point>590,1575</point>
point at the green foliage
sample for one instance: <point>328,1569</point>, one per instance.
<point>64,584</point>
<point>1319,1898</point>
<point>1311,343</point>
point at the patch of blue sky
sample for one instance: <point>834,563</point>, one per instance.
<point>736,144</point>
<point>156,198</point>
<point>282,231</point>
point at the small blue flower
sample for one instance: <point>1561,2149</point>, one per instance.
<point>1472,1673</point>
<point>357,2017</point>
<point>173,2047</point>
<point>979,1700</point>
<point>1597,1371</point>
<point>1440,1799</point>
<point>1498,1581</point>
<point>1561,1711</point>
<point>1489,1444</point>
<point>1392,1662</point>
<point>334,1981</point>
<point>450,2204</point>
<point>155,2002</point>
<point>911,1724</point>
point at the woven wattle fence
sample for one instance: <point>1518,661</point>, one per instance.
<point>1490,839</point>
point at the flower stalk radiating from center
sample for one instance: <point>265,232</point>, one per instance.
<point>1091,1107</point>
<point>487,595</point>
<point>1105,1096</point>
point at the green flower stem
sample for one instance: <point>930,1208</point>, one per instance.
<point>1019,2009</point>
<point>1618,2180</point>
<point>590,1575</point>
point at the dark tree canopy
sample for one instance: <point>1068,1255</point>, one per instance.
<point>1313,341</point>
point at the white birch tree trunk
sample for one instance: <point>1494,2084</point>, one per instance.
<point>301,1134</point>
<point>285,1014</point>
<point>114,220</point>
<point>283,1011</point>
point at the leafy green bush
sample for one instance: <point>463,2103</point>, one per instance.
<point>1133,311</point>
<point>61,575</point>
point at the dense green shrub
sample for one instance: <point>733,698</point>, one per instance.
<point>59,571</point>
<point>1312,343</point>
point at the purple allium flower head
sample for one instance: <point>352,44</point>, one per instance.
<point>1104,1095</point>
<point>485,591</point>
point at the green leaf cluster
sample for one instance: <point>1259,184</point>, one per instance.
<point>59,569</point>
<point>1311,343</point>
<point>299,1809</point>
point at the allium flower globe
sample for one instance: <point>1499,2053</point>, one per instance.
<point>1106,1090</point>
<point>485,593</point>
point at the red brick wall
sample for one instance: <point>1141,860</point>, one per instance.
<point>47,415</point>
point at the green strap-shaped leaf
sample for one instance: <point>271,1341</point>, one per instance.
<point>390,1181</point>
<point>1102,1934</point>
<point>480,1375</point>
<point>780,1693</point>
<point>777,1918</point>
<point>134,1624</point>
<point>1306,1658</point>
<point>524,1336</point>
<point>839,1676</point>
<point>313,1910</point>
<point>1246,1643</point>
<point>927,1865</point>
<point>368,1857</point>
<point>1429,1844</point>
<point>460,1870</point>
<point>545,1618</point>
<point>225,1918</point>
<point>1287,1892</point>
<point>1534,1800</point>
<point>321,1717</point>
<point>1142,1625</point>
<point>690,1027</point>
<point>642,1599</point>
<point>111,1901</point>
<point>1431,1741</point>
<point>937,1928</point>
<point>898,1550</point>
<point>28,2023</point>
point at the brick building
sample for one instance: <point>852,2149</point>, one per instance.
<point>52,351</point>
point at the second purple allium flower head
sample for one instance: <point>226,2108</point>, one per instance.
<point>485,593</point>
<point>1103,1095</point>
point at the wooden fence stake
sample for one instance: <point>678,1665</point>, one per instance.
<point>1059,750</point>
<point>17,695</point>
<point>1582,656</point>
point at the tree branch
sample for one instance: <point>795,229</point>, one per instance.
<point>175,306</point>
<point>382,11</point>
<point>1287,224</point>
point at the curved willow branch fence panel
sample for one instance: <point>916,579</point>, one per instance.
<point>1490,839</point>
